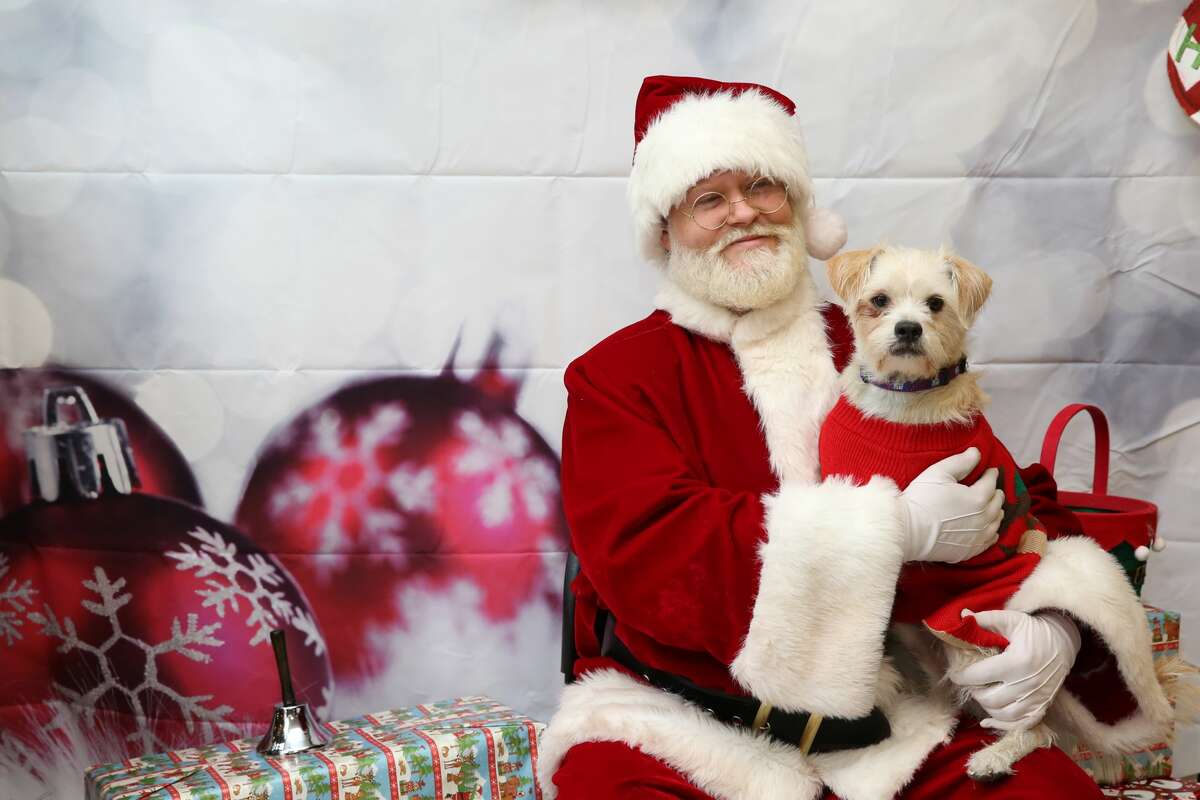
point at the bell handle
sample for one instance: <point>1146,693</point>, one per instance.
<point>279,645</point>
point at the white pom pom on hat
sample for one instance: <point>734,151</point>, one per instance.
<point>824,231</point>
<point>685,129</point>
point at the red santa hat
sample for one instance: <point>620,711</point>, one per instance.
<point>685,129</point>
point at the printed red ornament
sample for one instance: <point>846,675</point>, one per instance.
<point>163,469</point>
<point>140,615</point>
<point>409,481</point>
<point>1183,61</point>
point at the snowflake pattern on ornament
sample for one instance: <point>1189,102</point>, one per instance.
<point>503,451</point>
<point>325,710</point>
<point>14,598</point>
<point>414,488</point>
<point>348,478</point>
<point>227,576</point>
<point>184,641</point>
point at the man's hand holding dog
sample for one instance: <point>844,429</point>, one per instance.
<point>946,521</point>
<point>1016,686</point>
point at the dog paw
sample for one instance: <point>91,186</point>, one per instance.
<point>988,765</point>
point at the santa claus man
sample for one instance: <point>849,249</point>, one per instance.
<point>732,611</point>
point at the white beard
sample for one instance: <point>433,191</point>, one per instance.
<point>764,277</point>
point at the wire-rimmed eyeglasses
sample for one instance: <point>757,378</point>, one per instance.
<point>711,210</point>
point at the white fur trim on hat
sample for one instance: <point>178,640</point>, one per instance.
<point>705,133</point>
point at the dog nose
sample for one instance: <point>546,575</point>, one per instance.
<point>908,331</point>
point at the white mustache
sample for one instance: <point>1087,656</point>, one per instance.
<point>778,231</point>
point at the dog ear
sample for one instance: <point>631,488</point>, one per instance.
<point>974,286</point>
<point>848,271</point>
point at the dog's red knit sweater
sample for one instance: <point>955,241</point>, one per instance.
<point>934,593</point>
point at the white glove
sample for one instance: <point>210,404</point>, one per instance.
<point>946,521</point>
<point>1016,686</point>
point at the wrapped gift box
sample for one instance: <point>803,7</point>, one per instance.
<point>467,748</point>
<point>1154,761</point>
<point>1164,630</point>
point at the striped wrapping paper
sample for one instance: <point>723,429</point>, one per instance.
<point>470,747</point>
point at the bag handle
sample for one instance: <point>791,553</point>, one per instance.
<point>1054,436</point>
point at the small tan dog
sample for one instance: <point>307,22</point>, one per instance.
<point>910,311</point>
<point>908,401</point>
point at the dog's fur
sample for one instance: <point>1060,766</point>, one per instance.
<point>887,285</point>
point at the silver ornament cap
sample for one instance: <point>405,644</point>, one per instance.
<point>78,459</point>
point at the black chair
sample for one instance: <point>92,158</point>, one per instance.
<point>568,618</point>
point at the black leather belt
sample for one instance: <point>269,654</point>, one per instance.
<point>812,733</point>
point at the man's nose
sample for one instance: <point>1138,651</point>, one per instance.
<point>908,331</point>
<point>741,212</point>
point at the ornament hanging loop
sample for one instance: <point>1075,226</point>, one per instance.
<point>81,459</point>
<point>54,398</point>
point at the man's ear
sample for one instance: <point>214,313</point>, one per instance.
<point>848,271</point>
<point>974,285</point>
<point>664,238</point>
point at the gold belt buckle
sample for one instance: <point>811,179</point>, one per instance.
<point>760,718</point>
<point>810,728</point>
<point>810,732</point>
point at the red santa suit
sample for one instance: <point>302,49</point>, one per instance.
<point>690,482</point>
<point>692,487</point>
<point>935,594</point>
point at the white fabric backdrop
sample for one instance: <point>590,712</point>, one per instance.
<point>232,208</point>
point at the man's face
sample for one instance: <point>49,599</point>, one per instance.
<point>683,231</point>
<point>752,261</point>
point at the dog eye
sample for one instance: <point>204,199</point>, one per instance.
<point>935,303</point>
<point>879,300</point>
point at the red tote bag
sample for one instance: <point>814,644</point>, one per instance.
<point>1124,526</point>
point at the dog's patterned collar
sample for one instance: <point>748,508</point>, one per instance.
<point>944,376</point>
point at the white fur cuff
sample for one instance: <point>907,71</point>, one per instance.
<point>1078,577</point>
<point>829,569</point>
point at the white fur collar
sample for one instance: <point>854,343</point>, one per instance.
<point>721,324</point>
<point>787,371</point>
<point>696,315</point>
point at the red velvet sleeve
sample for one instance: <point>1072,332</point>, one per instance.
<point>670,555</point>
